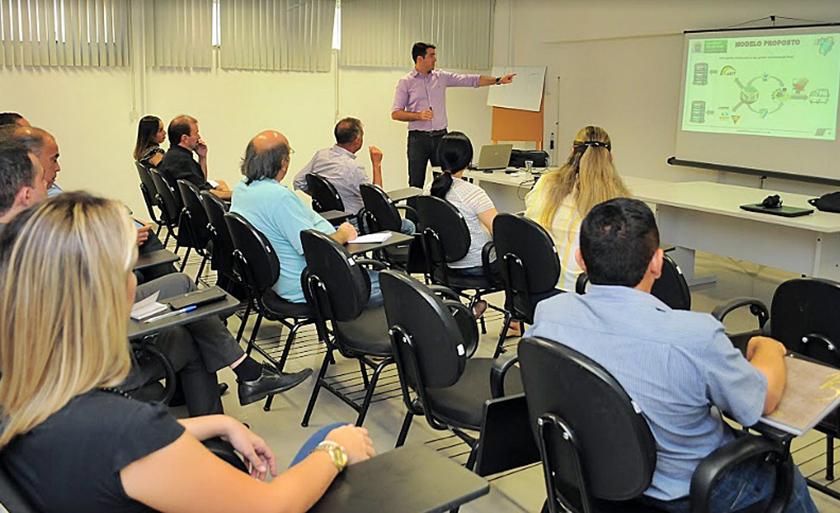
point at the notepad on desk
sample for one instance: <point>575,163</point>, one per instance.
<point>148,307</point>
<point>811,393</point>
<point>371,238</point>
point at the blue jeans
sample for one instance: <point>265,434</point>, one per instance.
<point>375,291</point>
<point>751,482</point>
<point>310,445</point>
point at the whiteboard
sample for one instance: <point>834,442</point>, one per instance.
<point>525,93</point>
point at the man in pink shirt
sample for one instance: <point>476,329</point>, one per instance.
<point>420,100</point>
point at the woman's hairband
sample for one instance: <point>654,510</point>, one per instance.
<point>598,143</point>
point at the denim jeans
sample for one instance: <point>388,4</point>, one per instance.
<point>751,482</point>
<point>310,445</point>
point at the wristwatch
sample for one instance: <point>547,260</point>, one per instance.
<point>336,452</point>
<point>498,80</point>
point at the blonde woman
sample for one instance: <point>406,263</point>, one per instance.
<point>562,197</point>
<point>74,442</point>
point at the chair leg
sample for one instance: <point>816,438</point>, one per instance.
<point>289,340</point>
<point>244,322</point>
<point>184,261</point>
<point>829,458</point>
<point>502,336</point>
<point>318,385</point>
<point>404,429</point>
<point>201,268</point>
<point>365,379</point>
<point>369,395</point>
<point>253,339</point>
<point>166,240</point>
<point>473,456</point>
<point>268,400</point>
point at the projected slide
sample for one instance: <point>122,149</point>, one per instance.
<point>778,86</point>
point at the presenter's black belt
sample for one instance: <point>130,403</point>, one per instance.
<point>428,133</point>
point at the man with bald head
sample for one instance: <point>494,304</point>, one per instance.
<point>13,119</point>
<point>280,215</point>
<point>178,162</point>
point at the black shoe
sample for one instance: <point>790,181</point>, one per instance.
<point>270,382</point>
<point>223,388</point>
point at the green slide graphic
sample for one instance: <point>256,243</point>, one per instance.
<point>778,86</point>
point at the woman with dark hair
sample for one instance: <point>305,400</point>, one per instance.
<point>150,133</point>
<point>455,153</point>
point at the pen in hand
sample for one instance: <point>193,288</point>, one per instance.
<point>170,314</point>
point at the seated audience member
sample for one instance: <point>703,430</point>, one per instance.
<point>150,135</point>
<point>74,442</point>
<point>676,365</point>
<point>12,118</point>
<point>178,162</point>
<point>562,197</point>
<point>339,166</point>
<point>455,152</point>
<point>45,146</point>
<point>198,349</point>
<point>280,215</point>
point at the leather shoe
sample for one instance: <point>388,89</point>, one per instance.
<point>223,388</point>
<point>270,382</point>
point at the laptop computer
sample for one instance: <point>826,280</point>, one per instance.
<point>494,156</point>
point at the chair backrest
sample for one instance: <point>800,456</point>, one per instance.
<point>804,317</point>
<point>195,213</point>
<point>530,264</point>
<point>253,255</point>
<point>147,189</point>
<point>11,496</point>
<point>223,248</point>
<point>324,195</point>
<point>382,213</point>
<point>445,233</point>
<point>433,352</point>
<point>617,451</point>
<point>171,204</point>
<point>347,285</point>
<point>671,288</point>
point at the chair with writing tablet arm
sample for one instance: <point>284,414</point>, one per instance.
<point>597,449</point>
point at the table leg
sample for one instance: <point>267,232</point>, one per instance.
<point>684,257</point>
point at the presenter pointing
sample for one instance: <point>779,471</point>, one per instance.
<point>420,100</point>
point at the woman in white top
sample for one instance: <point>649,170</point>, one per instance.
<point>563,197</point>
<point>455,153</point>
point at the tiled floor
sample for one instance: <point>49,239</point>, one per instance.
<point>521,490</point>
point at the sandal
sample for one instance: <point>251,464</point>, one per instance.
<point>478,308</point>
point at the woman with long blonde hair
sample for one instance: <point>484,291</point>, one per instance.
<point>563,197</point>
<point>69,438</point>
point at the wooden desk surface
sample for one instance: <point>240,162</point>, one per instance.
<point>725,199</point>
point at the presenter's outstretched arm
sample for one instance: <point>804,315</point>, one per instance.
<point>484,80</point>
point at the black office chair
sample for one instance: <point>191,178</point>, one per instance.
<point>804,315</point>
<point>671,288</point>
<point>339,290</point>
<point>324,195</point>
<point>171,207</point>
<point>530,268</point>
<point>150,196</point>
<point>221,258</point>
<point>195,220</point>
<point>380,213</point>
<point>433,341</point>
<point>258,266</point>
<point>446,239</point>
<point>597,450</point>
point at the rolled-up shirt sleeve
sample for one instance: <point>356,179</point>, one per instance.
<point>458,79</point>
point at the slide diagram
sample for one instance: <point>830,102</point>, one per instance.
<point>778,86</point>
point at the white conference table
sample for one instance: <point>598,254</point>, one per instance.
<point>706,216</point>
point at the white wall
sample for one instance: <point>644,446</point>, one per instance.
<point>90,113</point>
<point>619,66</point>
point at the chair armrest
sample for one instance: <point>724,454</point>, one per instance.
<point>465,320</point>
<point>376,265</point>
<point>488,254</point>
<point>498,373</point>
<point>581,283</point>
<point>714,467</point>
<point>757,308</point>
<point>408,210</point>
<point>224,451</point>
<point>444,292</point>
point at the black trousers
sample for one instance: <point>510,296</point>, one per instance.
<point>422,148</point>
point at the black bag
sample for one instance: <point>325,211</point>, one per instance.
<point>518,158</point>
<point>827,202</point>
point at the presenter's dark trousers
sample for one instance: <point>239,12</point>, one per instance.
<point>422,148</point>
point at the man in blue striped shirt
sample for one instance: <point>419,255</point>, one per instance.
<point>679,367</point>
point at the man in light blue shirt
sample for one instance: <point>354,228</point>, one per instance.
<point>280,215</point>
<point>679,367</point>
